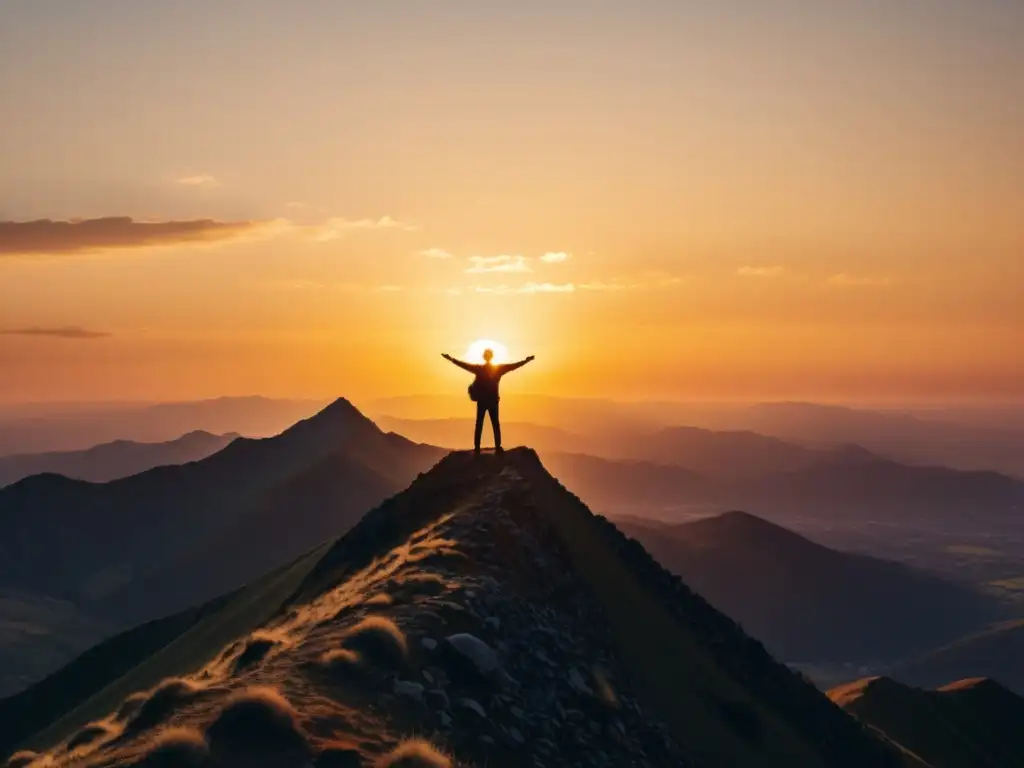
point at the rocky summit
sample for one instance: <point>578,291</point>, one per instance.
<point>482,617</point>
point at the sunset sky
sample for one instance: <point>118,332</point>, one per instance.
<point>672,199</point>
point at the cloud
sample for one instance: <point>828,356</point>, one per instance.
<point>202,180</point>
<point>435,253</point>
<point>65,332</point>
<point>337,227</point>
<point>548,288</point>
<point>503,263</point>
<point>608,287</point>
<point>390,288</point>
<point>528,288</point>
<point>555,257</point>
<point>845,280</point>
<point>22,238</point>
<point>767,272</point>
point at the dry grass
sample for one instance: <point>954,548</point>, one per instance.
<point>162,702</point>
<point>21,759</point>
<point>257,719</point>
<point>91,734</point>
<point>378,640</point>
<point>343,663</point>
<point>414,753</point>
<point>259,645</point>
<point>175,748</point>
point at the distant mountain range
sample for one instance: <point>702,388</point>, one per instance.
<point>455,433</point>
<point>967,439</point>
<point>158,541</point>
<point>834,482</point>
<point>807,602</point>
<point>972,723</point>
<point>76,427</point>
<point>111,461</point>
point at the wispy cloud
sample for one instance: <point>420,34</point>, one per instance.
<point>527,288</point>
<point>337,227</point>
<point>201,180</point>
<point>436,253</point>
<point>846,280</point>
<point>608,287</point>
<point>555,257</point>
<point>766,272</point>
<point>502,263</point>
<point>22,238</point>
<point>64,332</point>
<point>548,288</point>
<point>390,288</point>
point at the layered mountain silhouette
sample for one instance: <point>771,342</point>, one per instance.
<point>807,602</point>
<point>455,433</point>
<point>164,539</point>
<point>973,723</point>
<point>996,651</point>
<point>721,455</point>
<point>114,460</point>
<point>78,426</point>
<point>482,617</point>
<point>834,483</point>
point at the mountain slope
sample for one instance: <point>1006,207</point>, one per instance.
<point>996,652</point>
<point>39,635</point>
<point>808,602</point>
<point>111,461</point>
<point>974,723</point>
<point>487,610</point>
<point>89,543</point>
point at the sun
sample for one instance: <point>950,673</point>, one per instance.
<point>475,353</point>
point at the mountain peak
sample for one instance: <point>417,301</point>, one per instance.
<point>339,419</point>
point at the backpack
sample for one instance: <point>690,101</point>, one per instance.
<point>474,392</point>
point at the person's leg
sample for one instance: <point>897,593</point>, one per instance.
<point>479,430</point>
<point>496,426</point>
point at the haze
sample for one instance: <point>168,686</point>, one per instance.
<point>658,199</point>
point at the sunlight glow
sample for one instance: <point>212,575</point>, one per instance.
<point>475,353</point>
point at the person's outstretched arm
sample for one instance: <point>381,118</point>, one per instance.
<point>515,366</point>
<point>464,366</point>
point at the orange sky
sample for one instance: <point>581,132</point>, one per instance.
<point>312,199</point>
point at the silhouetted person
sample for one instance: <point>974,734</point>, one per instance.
<point>484,390</point>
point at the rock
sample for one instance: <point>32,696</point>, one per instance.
<point>446,720</point>
<point>473,706</point>
<point>577,682</point>
<point>409,689</point>
<point>437,699</point>
<point>516,712</point>
<point>428,677</point>
<point>429,643</point>
<point>517,736</point>
<point>480,656</point>
<point>492,623</point>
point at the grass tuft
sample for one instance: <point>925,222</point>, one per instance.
<point>414,753</point>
